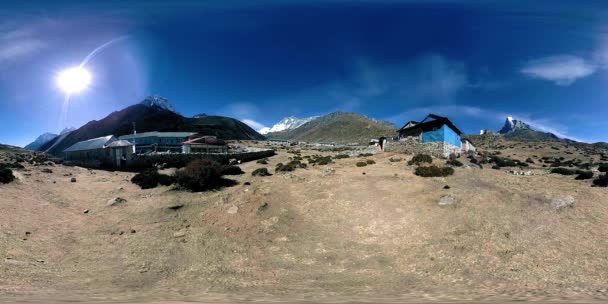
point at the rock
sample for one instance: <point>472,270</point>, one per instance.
<point>263,207</point>
<point>447,200</point>
<point>328,172</point>
<point>115,201</point>
<point>446,187</point>
<point>233,161</point>
<point>73,179</point>
<point>46,170</point>
<point>562,202</point>
<point>233,210</point>
<point>85,211</point>
<point>247,183</point>
<point>175,206</point>
<point>179,233</point>
<point>133,231</point>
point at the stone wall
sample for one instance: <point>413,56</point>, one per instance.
<point>179,160</point>
<point>436,149</point>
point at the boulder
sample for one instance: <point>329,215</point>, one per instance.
<point>73,179</point>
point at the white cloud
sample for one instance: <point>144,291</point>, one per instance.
<point>563,70</point>
<point>254,124</point>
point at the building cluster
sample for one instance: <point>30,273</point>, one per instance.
<point>117,151</point>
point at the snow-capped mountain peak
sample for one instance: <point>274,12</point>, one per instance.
<point>158,101</point>
<point>287,123</point>
<point>512,124</point>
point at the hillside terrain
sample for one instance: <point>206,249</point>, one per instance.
<point>152,115</point>
<point>331,233</point>
<point>338,127</point>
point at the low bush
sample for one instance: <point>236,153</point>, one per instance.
<point>563,171</point>
<point>261,172</point>
<point>474,161</point>
<point>529,160</point>
<point>365,154</point>
<point>151,178</point>
<point>420,158</point>
<point>503,162</point>
<point>200,175</point>
<point>280,167</point>
<point>6,175</point>
<point>603,168</point>
<point>361,164</point>
<point>601,181</point>
<point>370,161</point>
<point>454,162</point>
<point>231,170</point>
<point>495,167</point>
<point>434,171</point>
<point>319,160</point>
<point>340,156</point>
<point>394,160</point>
<point>263,161</point>
<point>584,175</point>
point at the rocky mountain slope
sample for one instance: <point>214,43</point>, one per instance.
<point>517,129</point>
<point>338,127</point>
<point>151,115</point>
<point>40,140</point>
<point>287,123</point>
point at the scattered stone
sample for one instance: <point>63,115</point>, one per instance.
<point>85,211</point>
<point>175,206</point>
<point>328,172</point>
<point>233,210</point>
<point>446,187</point>
<point>179,233</point>
<point>562,202</point>
<point>363,173</point>
<point>247,183</point>
<point>68,174</point>
<point>133,231</point>
<point>73,180</point>
<point>115,201</point>
<point>446,200</point>
<point>523,173</point>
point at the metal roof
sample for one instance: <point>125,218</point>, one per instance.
<point>91,144</point>
<point>157,134</point>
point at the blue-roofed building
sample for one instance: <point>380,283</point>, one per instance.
<point>106,151</point>
<point>435,130</point>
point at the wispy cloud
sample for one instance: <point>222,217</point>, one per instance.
<point>245,112</point>
<point>563,70</point>
<point>254,124</point>
<point>18,43</point>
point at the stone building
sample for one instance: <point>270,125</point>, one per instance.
<point>107,151</point>
<point>158,141</point>
<point>204,144</point>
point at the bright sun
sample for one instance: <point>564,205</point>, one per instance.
<point>73,80</point>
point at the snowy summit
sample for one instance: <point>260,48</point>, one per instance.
<point>287,123</point>
<point>158,101</point>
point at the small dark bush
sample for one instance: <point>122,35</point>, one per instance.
<point>200,175</point>
<point>370,161</point>
<point>394,160</point>
<point>285,168</point>
<point>563,171</point>
<point>454,162</point>
<point>231,170</point>
<point>603,168</point>
<point>6,175</point>
<point>503,162</point>
<point>601,181</point>
<point>365,154</point>
<point>262,161</point>
<point>340,156</point>
<point>261,172</point>
<point>529,160</point>
<point>361,164</point>
<point>496,167</point>
<point>474,161</point>
<point>420,158</point>
<point>319,160</point>
<point>584,175</point>
<point>434,171</point>
<point>151,178</point>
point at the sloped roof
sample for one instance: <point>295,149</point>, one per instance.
<point>208,140</point>
<point>436,121</point>
<point>91,144</point>
<point>157,134</point>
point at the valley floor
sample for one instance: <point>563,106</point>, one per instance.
<point>374,234</point>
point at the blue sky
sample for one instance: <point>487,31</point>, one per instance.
<point>545,62</point>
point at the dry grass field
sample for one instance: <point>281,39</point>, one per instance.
<point>324,233</point>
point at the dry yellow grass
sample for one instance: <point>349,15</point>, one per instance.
<point>304,234</point>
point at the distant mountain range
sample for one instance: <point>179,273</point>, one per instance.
<point>287,123</point>
<point>45,138</point>
<point>519,130</point>
<point>152,114</point>
<point>338,127</point>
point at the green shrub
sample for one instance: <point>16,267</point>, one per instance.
<point>200,175</point>
<point>434,171</point>
<point>503,162</point>
<point>231,170</point>
<point>420,158</point>
<point>603,168</point>
<point>6,175</point>
<point>495,167</point>
<point>319,160</point>
<point>340,156</point>
<point>150,178</point>
<point>585,175</point>
<point>365,154</point>
<point>361,164</point>
<point>263,161</point>
<point>394,160</point>
<point>260,172</point>
<point>454,162</point>
<point>563,171</point>
<point>280,167</point>
<point>370,161</point>
<point>601,181</point>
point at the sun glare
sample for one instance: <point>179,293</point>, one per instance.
<point>73,80</point>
